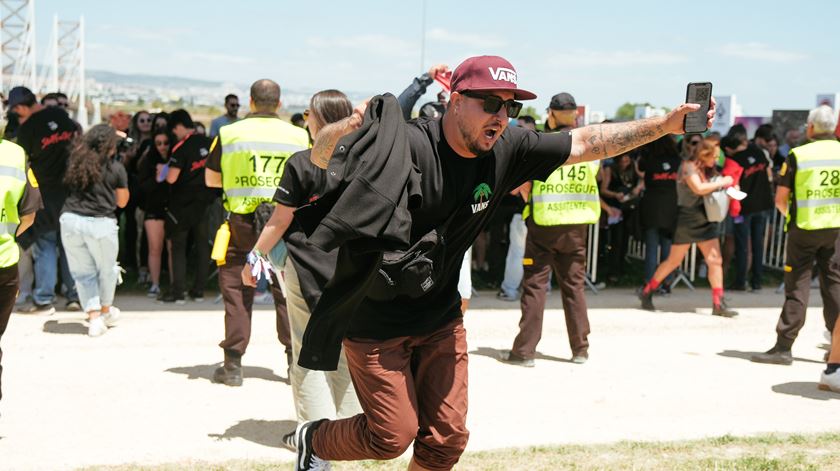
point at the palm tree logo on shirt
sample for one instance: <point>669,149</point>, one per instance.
<point>481,196</point>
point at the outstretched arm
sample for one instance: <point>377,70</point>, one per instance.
<point>601,141</point>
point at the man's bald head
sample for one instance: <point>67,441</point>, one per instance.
<point>265,96</point>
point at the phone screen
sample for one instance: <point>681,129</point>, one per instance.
<point>700,93</point>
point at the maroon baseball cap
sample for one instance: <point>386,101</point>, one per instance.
<point>486,73</point>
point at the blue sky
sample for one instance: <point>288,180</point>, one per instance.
<point>771,55</point>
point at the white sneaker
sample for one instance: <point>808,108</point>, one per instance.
<point>112,316</point>
<point>97,327</point>
<point>830,382</point>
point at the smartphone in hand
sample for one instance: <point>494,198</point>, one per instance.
<point>700,93</point>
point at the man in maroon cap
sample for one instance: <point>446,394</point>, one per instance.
<point>408,357</point>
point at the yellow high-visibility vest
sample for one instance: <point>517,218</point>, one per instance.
<point>12,184</point>
<point>254,155</point>
<point>568,196</point>
<point>817,185</point>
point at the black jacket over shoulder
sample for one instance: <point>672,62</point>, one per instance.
<point>365,210</point>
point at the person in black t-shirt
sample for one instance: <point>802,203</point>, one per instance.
<point>756,209</point>
<point>621,188</point>
<point>189,200</point>
<point>317,394</point>
<point>45,134</point>
<point>658,164</point>
<point>97,186</point>
<point>408,356</point>
<point>154,199</point>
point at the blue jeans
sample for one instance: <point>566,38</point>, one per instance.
<point>92,246</point>
<point>751,230</point>
<point>654,239</point>
<point>515,254</point>
<point>45,256</point>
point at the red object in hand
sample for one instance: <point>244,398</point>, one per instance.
<point>444,80</point>
<point>734,170</point>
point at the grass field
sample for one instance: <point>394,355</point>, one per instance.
<point>764,453</point>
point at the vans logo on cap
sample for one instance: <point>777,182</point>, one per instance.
<point>503,73</point>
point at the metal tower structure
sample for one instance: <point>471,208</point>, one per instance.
<point>67,71</point>
<point>17,44</point>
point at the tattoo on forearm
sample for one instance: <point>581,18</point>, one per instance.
<point>623,137</point>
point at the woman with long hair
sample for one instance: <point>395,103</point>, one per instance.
<point>620,189</point>
<point>694,181</point>
<point>97,185</point>
<point>140,133</point>
<point>153,196</point>
<point>317,394</point>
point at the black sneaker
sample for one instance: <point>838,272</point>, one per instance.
<point>196,297</point>
<point>774,356</point>
<point>647,300</point>
<point>514,359</point>
<point>306,459</point>
<point>172,298</point>
<point>289,441</point>
<point>722,310</point>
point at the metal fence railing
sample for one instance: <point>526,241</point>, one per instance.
<point>775,246</point>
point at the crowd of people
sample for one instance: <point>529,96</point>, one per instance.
<point>349,216</point>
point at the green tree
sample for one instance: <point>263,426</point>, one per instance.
<point>627,111</point>
<point>532,112</point>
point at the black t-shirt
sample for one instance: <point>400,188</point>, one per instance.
<point>100,199</point>
<point>472,187</point>
<point>754,180</point>
<point>153,195</point>
<point>46,138</point>
<point>659,203</point>
<point>302,183</point>
<point>190,155</point>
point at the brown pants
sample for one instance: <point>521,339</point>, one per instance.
<point>8,291</point>
<point>411,389</point>
<point>238,298</point>
<point>564,249</point>
<point>803,248</point>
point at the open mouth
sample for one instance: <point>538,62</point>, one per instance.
<point>491,133</point>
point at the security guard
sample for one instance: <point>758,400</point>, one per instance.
<point>562,208</point>
<point>19,201</point>
<point>246,160</point>
<point>810,181</point>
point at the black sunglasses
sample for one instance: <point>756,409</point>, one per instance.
<point>492,104</point>
<point>233,105</point>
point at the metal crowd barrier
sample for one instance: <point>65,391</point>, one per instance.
<point>775,247</point>
<point>687,272</point>
<point>775,242</point>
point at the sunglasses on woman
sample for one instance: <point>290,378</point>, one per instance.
<point>492,104</point>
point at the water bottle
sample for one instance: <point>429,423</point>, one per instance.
<point>220,244</point>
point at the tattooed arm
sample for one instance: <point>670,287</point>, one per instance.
<point>601,141</point>
<point>327,137</point>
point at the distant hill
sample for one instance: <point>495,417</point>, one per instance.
<point>165,81</point>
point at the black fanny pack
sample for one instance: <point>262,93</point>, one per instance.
<point>412,272</point>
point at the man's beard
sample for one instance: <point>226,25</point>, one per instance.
<point>471,143</point>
